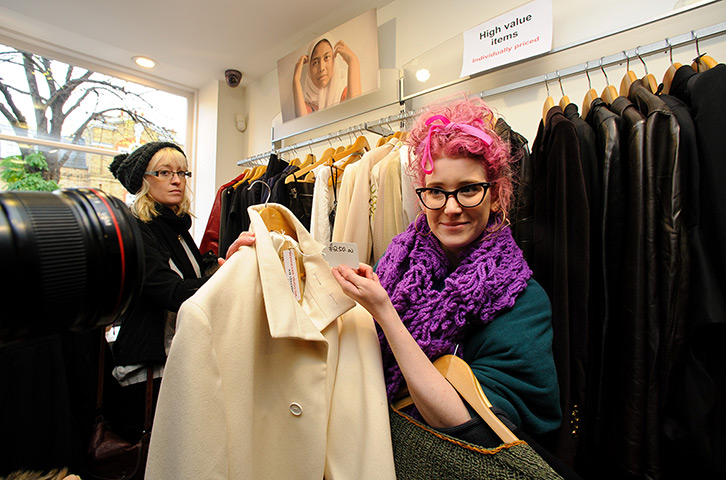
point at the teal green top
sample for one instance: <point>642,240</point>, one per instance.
<point>512,358</point>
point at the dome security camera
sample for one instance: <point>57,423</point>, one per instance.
<point>233,77</point>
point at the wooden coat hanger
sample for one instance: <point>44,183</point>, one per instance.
<point>609,93</point>
<point>385,138</point>
<point>548,103</point>
<point>702,62</point>
<point>257,173</point>
<point>668,77</point>
<point>590,96</point>
<point>245,175</point>
<point>670,71</point>
<point>309,160</point>
<point>309,178</point>
<point>327,156</point>
<point>565,100</point>
<point>649,79</point>
<point>337,175</point>
<point>274,220</point>
<point>628,78</point>
<point>354,152</point>
<point>395,135</point>
<point>460,376</point>
<point>359,145</point>
<point>354,157</point>
<point>296,160</point>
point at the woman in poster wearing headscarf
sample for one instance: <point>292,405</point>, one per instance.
<point>326,82</point>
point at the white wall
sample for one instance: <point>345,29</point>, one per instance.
<point>421,25</point>
<point>262,106</point>
<point>411,30</point>
<point>218,143</point>
<point>231,103</point>
<point>205,155</point>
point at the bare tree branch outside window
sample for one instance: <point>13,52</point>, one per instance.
<point>46,99</point>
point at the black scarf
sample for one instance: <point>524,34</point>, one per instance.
<point>172,227</point>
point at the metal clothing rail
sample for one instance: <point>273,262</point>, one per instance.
<point>380,127</point>
<point>635,54</point>
<point>563,48</point>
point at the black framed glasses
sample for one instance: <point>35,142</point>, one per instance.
<point>168,174</point>
<point>468,196</point>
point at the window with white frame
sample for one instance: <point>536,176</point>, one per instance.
<point>61,125</point>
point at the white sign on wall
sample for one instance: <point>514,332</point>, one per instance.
<point>521,33</point>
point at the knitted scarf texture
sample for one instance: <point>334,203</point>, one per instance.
<point>492,273</point>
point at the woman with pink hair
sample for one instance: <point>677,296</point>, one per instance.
<point>455,282</point>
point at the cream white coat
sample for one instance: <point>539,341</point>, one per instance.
<point>257,386</point>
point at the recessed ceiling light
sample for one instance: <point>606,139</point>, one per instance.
<point>423,75</point>
<point>145,62</point>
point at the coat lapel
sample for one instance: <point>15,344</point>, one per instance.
<point>324,301</point>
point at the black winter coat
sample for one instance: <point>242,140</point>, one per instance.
<point>141,337</point>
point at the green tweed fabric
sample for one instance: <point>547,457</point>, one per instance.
<point>422,453</point>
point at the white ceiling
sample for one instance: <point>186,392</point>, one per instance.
<point>194,41</point>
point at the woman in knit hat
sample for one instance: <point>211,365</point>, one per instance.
<point>458,284</point>
<point>157,173</point>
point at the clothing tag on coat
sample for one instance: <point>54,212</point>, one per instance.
<point>289,262</point>
<point>337,253</point>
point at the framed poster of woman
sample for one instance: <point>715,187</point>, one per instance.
<point>336,66</point>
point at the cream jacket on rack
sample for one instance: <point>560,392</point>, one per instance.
<point>352,220</point>
<point>258,386</point>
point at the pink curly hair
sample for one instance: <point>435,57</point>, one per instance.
<point>452,143</point>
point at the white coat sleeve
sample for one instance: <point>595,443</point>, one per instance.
<point>359,433</point>
<point>189,435</point>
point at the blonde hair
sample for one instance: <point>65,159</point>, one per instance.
<point>144,206</point>
<point>54,474</point>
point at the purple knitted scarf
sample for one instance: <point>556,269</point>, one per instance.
<point>491,275</point>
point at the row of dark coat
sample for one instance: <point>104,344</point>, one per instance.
<point>229,216</point>
<point>622,218</point>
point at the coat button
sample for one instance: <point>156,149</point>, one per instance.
<point>295,409</point>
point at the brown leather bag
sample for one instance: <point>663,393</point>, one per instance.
<point>109,456</point>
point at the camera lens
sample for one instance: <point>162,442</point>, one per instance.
<point>71,260</point>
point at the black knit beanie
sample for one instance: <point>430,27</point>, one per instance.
<point>129,169</point>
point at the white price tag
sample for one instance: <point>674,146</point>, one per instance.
<point>341,253</point>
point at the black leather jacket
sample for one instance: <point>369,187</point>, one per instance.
<point>521,212</point>
<point>561,260</point>
<point>700,386</point>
